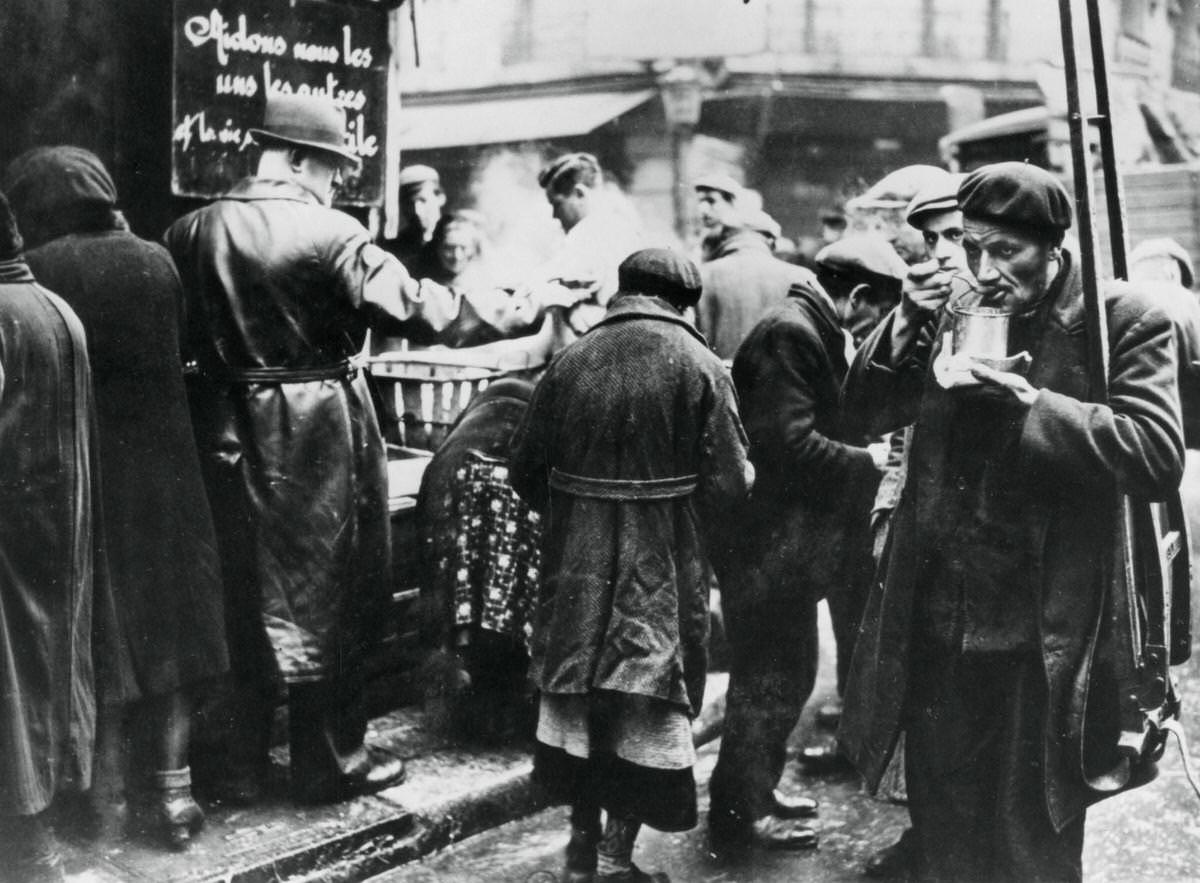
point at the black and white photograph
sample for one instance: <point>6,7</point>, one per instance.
<point>599,441</point>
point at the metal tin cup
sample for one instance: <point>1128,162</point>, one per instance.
<point>980,332</point>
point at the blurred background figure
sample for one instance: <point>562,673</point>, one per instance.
<point>161,544</point>
<point>421,203</point>
<point>1161,259</point>
<point>883,207</point>
<point>720,202</point>
<point>742,279</point>
<point>601,231</point>
<point>457,247</point>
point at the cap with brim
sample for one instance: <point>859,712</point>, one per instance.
<point>415,176</point>
<point>306,121</point>
<point>863,255</point>
<point>1165,247</point>
<point>661,272</point>
<point>933,200</point>
<point>720,183</point>
<point>895,190</point>
<point>760,222</point>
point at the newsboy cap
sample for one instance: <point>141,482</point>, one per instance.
<point>896,189</point>
<point>933,199</point>
<point>1016,193</point>
<point>661,272</point>
<point>48,187</point>
<point>416,175</point>
<point>305,121</point>
<point>760,222</point>
<point>720,183</point>
<point>863,255</point>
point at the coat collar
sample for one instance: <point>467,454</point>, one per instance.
<point>15,270</point>
<point>271,188</point>
<point>741,241</point>
<point>624,307</point>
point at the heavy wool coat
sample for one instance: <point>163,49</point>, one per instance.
<point>162,552</point>
<point>742,283</point>
<point>807,519</point>
<point>637,406</point>
<point>1070,460</point>
<point>52,577</point>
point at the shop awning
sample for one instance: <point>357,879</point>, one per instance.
<point>502,120</point>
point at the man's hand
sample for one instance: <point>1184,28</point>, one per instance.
<point>555,294</point>
<point>1010,387</point>
<point>925,290</point>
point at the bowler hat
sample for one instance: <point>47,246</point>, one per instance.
<point>306,121</point>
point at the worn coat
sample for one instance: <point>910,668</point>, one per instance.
<point>161,546</point>
<point>806,522</point>
<point>48,563</point>
<point>640,401</point>
<point>1070,459</point>
<point>279,293</point>
<point>742,283</point>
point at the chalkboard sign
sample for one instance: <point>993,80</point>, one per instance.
<point>230,54</point>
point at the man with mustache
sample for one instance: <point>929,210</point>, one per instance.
<point>979,639</point>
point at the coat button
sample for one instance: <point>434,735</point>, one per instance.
<point>961,483</point>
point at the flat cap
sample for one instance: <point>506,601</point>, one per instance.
<point>415,176</point>
<point>1165,247</point>
<point>863,254</point>
<point>47,186</point>
<point>568,162</point>
<point>934,198</point>
<point>720,183</point>
<point>661,272</point>
<point>1016,193</point>
<point>760,222</point>
<point>896,189</point>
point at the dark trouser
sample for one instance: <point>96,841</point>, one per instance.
<point>846,606</point>
<point>773,648</point>
<point>976,787</point>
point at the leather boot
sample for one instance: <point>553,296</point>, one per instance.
<point>175,815</point>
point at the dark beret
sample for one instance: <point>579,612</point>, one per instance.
<point>11,245</point>
<point>1016,193</point>
<point>862,255</point>
<point>660,272</point>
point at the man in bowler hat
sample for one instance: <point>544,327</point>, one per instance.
<point>280,290</point>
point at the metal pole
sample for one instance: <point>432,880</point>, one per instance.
<point>1114,191</point>
<point>1081,162</point>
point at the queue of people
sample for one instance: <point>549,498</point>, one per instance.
<point>196,498</point>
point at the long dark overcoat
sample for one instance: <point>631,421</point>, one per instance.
<point>48,563</point>
<point>640,402</point>
<point>162,553</point>
<point>805,524</point>
<point>1072,457</point>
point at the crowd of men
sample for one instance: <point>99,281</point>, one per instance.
<point>735,425</point>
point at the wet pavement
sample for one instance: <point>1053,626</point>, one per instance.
<point>1151,834</point>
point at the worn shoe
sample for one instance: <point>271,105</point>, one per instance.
<point>789,807</point>
<point>895,862</point>
<point>633,875</point>
<point>824,759</point>
<point>379,771</point>
<point>173,813</point>
<point>772,832</point>
<point>581,856</point>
